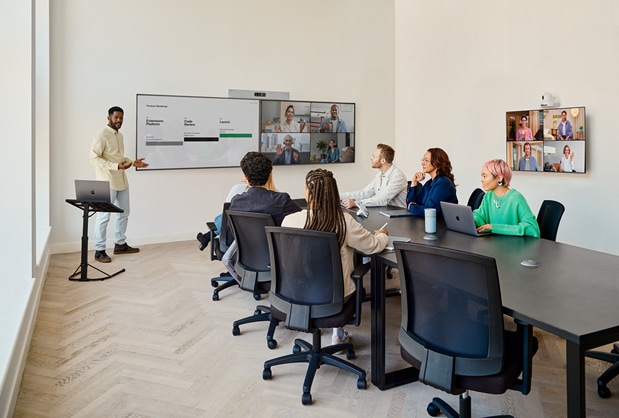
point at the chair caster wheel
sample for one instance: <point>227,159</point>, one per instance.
<point>603,392</point>
<point>296,349</point>
<point>266,374</point>
<point>236,330</point>
<point>272,344</point>
<point>215,296</point>
<point>257,296</point>
<point>214,284</point>
<point>362,384</point>
<point>350,354</point>
<point>257,312</point>
<point>306,399</point>
<point>433,410</point>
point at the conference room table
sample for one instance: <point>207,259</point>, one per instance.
<point>573,294</point>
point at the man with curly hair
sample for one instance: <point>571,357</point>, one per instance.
<point>257,168</point>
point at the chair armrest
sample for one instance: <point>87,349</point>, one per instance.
<point>529,347</point>
<point>357,276</point>
<point>214,242</point>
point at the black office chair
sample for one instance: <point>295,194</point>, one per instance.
<point>307,293</point>
<point>452,326</point>
<point>610,373</point>
<point>475,199</point>
<point>219,245</point>
<point>301,202</point>
<point>548,219</point>
<point>253,265</point>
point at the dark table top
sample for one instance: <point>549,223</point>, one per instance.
<point>573,293</point>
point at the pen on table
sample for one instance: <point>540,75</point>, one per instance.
<point>384,226</point>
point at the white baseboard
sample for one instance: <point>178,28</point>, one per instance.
<point>72,247</point>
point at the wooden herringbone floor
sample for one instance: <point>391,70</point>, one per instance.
<point>151,343</point>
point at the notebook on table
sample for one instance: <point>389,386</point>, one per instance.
<point>459,218</point>
<point>395,213</point>
<point>92,191</point>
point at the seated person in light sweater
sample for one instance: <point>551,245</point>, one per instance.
<point>324,213</point>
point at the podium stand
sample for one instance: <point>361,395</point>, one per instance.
<point>87,207</point>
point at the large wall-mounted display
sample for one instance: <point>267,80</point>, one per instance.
<point>177,132</point>
<point>547,140</point>
<point>195,132</point>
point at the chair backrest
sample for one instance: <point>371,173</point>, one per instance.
<point>306,275</point>
<point>252,250</point>
<point>475,199</point>
<point>548,219</point>
<point>220,244</point>
<point>301,202</point>
<point>452,320</point>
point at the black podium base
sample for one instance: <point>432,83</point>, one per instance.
<point>77,275</point>
<point>81,272</point>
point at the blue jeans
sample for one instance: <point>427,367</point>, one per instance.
<point>121,199</point>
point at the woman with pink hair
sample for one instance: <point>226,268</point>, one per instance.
<point>503,210</point>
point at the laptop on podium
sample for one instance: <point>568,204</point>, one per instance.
<point>459,218</point>
<point>92,191</point>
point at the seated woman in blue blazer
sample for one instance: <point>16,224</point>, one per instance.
<point>440,187</point>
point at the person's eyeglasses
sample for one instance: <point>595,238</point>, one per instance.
<point>423,160</point>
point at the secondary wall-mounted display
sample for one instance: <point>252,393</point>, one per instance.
<point>547,140</point>
<point>179,132</point>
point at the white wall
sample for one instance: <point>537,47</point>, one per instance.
<point>459,68</point>
<point>24,249</point>
<point>104,53</point>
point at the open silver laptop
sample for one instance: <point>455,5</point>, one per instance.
<point>460,218</point>
<point>92,191</point>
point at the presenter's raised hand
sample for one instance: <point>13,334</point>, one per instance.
<point>295,156</point>
<point>139,163</point>
<point>278,150</point>
<point>123,165</point>
<point>301,125</point>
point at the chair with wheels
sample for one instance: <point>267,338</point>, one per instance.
<point>475,199</point>
<point>548,219</point>
<point>610,373</point>
<point>452,327</point>
<point>253,265</point>
<point>307,294</point>
<point>219,245</point>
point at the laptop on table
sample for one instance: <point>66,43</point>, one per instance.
<point>459,218</point>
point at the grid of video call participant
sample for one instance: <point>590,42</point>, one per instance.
<point>295,132</point>
<point>547,140</point>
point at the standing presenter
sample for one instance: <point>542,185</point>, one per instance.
<point>107,154</point>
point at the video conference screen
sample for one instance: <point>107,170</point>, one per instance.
<point>179,132</point>
<point>547,140</point>
<point>295,132</point>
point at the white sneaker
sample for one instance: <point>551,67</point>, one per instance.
<point>336,339</point>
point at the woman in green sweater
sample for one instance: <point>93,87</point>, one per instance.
<point>503,210</point>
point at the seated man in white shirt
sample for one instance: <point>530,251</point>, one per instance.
<point>388,187</point>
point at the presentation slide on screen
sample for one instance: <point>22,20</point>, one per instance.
<point>175,132</point>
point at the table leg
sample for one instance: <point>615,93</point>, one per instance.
<point>575,379</point>
<point>380,378</point>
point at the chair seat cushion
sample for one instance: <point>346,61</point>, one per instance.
<point>344,317</point>
<point>494,384</point>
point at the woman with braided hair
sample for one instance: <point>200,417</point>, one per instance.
<point>324,213</point>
